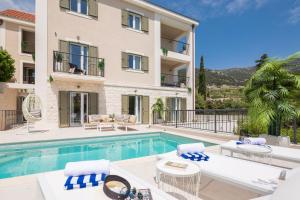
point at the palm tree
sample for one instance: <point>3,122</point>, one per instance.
<point>158,107</point>
<point>268,93</point>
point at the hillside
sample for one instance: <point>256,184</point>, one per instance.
<point>234,76</point>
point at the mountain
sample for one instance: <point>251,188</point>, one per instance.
<point>231,76</point>
<point>238,76</point>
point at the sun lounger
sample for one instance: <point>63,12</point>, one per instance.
<point>248,175</point>
<point>281,153</point>
<point>51,184</point>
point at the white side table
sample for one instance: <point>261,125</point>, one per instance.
<point>185,182</point>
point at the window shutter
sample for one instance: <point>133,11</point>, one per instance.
<point>145,110</point>
<point>145,24</point>
<point>125,104</point>
<point>145,63</point>
<point>124,60</point>
<point>64,4</point>
<point>169,107</point>
<point>64,49</point>
<point>64,109</point>
<point>93,104</point>
<point>93,8</point>
<point>93,69</point>
<point>183,113</point>
<point>124,17</point>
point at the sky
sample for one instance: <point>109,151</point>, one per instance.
<point>232,33</point>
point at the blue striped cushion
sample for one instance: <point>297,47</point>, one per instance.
<point>195,156</point>
<point>84,181</point>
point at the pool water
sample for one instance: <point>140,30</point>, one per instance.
<point>31,158</point>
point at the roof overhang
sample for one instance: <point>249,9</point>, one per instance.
<point>163,11</point>
<point>17,21</point>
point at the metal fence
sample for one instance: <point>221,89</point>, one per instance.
<point>175,46</point>
<point>170,80</point>
<point>10,119</point>
<point>225,120</point>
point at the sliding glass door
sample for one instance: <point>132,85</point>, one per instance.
<point>79,56</point>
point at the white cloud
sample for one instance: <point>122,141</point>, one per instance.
<point>26,5</point>
<point>237,6</point>
<point>294,15</point>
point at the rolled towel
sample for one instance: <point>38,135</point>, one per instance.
<point>190,148</point>
<point>84,181</point>
<point>87,167</point>
<point>255,141</point>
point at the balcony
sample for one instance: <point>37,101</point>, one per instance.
<point>74,67</point>
<point>174,46</point>
<point>170,80</point>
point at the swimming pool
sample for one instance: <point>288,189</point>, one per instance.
<point>36,157</point>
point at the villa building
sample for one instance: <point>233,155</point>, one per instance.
<point>106,57</point>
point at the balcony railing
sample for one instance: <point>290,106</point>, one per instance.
<point>29,79</point>
<point>169,80</point>
<point>78,64</point>
<point>28,47</point>
<point>175,46</point>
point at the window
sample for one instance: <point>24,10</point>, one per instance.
<point>80,6</point>
<point>134,62</point>
<point>134,21</point>
<point>79,56</point>
<point>27,42</point>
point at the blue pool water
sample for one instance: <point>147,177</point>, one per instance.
<point>30,158</point>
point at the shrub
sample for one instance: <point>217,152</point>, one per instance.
<point>7,68</point>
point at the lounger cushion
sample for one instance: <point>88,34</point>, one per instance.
<point>94,118</point>
<point>132,119</point>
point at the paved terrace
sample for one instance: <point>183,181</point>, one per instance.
<point>27,186</point>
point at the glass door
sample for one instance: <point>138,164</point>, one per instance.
<point>79,56</point>
<point>79,108</point>
<point>138,109</point>
<point>175,103</point>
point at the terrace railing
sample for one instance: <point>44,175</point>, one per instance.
<point>225,121</point>
<point>28,47</point>
<point>90,66</point>
<point>169,80</point>
<point>175,46</point>
<point>10,119</point>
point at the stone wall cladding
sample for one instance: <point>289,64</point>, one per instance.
<point>109,96</point>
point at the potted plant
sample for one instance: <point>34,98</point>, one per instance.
<point>59,59</point>
<point>162,78</point>
<point>101,66</point>
<point>158,108</point>
<point>164,51</point>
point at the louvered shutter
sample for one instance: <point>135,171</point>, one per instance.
<point>93,103</point>
<point>124,17</point>
<point>64,4</point>
<point>125,104</point>
<point>64,109</point>
<point>145,110</point>
<point>93,8</point>
<point>64,49</point>
<point>124,60</point>
<point>145,24</point>
<point>145,63</point>
<point>93,69</point>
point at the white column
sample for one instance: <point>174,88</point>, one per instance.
<point>157,50</point>
<point>41,53</point>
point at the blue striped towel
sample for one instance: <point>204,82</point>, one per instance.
<point>83,181</point>
<point>195,156</point>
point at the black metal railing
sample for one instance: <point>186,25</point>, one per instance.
<point>28,79</point>
<point>66,62</point>
<point>175,46</point>
<point>169,80</point>
<point>28,47</point>
<point>225,120</point>
<point>10,119</point>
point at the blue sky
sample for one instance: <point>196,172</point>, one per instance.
<point>232,33</point>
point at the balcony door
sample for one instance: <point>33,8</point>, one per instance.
<point>78,108</point>
<point>79,56</point>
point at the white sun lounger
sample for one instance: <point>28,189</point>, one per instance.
<point>241,173</point>
<point>52,185</point>
<point>281,153</point>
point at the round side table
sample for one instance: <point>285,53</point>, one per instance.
<point>178,181</point>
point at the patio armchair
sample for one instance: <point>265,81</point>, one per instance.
<point>126,121</point>
<point>105,122</point>
<point>93,121</point>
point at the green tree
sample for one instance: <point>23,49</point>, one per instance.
<point>268,94</point>
<point>202,79</point>
<point>200,102</point>
<point>158,107</point>
<point>263,59</point>
<point>7,68</point>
